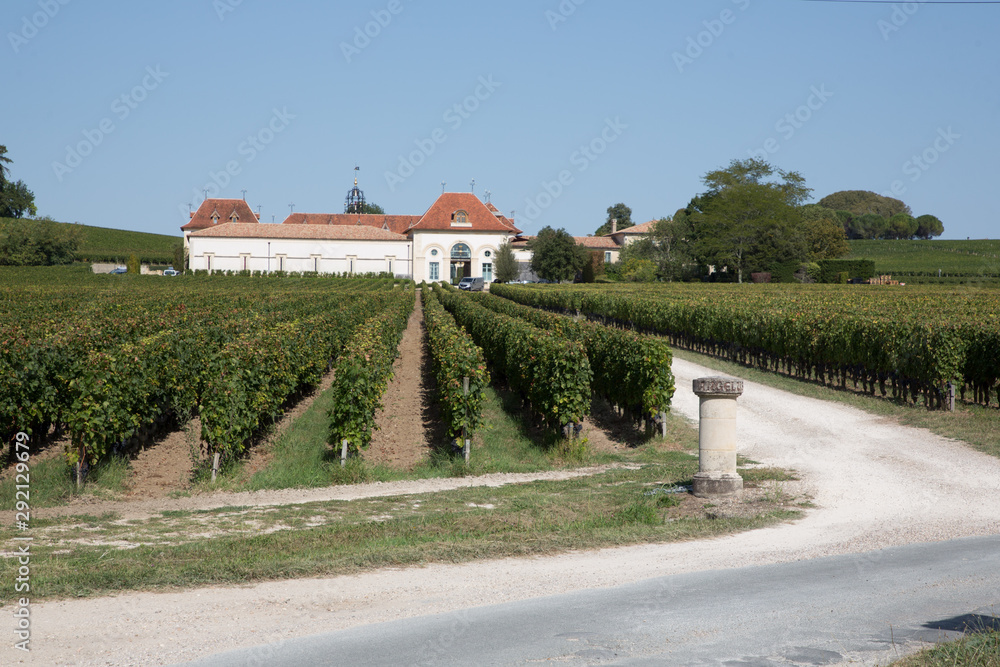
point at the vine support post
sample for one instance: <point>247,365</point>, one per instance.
<point>663,424</point>
<point>343,452</point>
<point>215,466</point>
<point>951,396</point>
<point>79,467</point>
<point>465,433</point>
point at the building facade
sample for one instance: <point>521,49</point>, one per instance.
<point>458,236</point>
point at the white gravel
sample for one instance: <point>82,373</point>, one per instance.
<point>876,484</point>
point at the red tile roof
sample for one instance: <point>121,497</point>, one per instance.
<point>592,242</point>
<point>395,223</point>
<point>223,210</point>
<point>597,242</point>
<point>312,232</point>
<point>500,216</point>
<point>644,228</point>
<point>439,216</point>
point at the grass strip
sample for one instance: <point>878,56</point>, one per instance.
<point>974,650</point>
<point>87,556</point>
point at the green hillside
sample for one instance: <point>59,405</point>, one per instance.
<point>100,244</point>
<point>924,259</point>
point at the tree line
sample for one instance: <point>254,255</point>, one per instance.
<point>752,218</point>
<point>866,215</point>
<point>29,242</point>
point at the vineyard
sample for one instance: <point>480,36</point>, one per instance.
<point>107,362</point>
<point>931,261</point>
<point>100,244</point>
<point>909,342</point>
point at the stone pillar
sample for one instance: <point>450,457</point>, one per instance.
<point>717,474</point>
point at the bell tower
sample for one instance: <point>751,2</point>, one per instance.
<point>355,202</point>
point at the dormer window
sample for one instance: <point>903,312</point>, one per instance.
<point>234,217</point>
<point>460,219</point>
<point>215,218</point>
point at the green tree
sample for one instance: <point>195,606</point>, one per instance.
<point>505,267</point>
<point>638,270</point>
<point>671,241</point>
<point>556,256</point>
<point>870,226</point>
<point>928,226</point>
<point>38,243</point>
<point>901,226</point>
<point>16,200</point>
<point>179,257</point>
<point>621,213</point>
<point>746,220</point>
<point>589,275</point>
<point>133,264</point>
<point>861,202</point>
<point>4,169</point>
<point>824,233</point>
<point>371,208</point>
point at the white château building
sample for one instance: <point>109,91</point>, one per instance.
<point>457,236</point>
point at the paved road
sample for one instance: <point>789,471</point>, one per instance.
<point>861,609</point>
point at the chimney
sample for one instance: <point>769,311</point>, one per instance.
<point>614,225</point>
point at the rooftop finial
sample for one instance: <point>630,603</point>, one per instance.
<point>355,201</point>
<point>472,186</point>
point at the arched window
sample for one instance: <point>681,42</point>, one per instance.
<point>461,217</point>
<point>461,251</point>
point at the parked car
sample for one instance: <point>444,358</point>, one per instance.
<point>118,270</point>
<point>471,284</point>
<point>169,271</point>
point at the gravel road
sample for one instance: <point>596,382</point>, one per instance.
<point>875,483</point>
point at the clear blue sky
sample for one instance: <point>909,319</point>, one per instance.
<point>656,95</point>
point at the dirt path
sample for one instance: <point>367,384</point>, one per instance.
<point>876,484</point>
<point>405,424</point>
<point>166,465</point>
